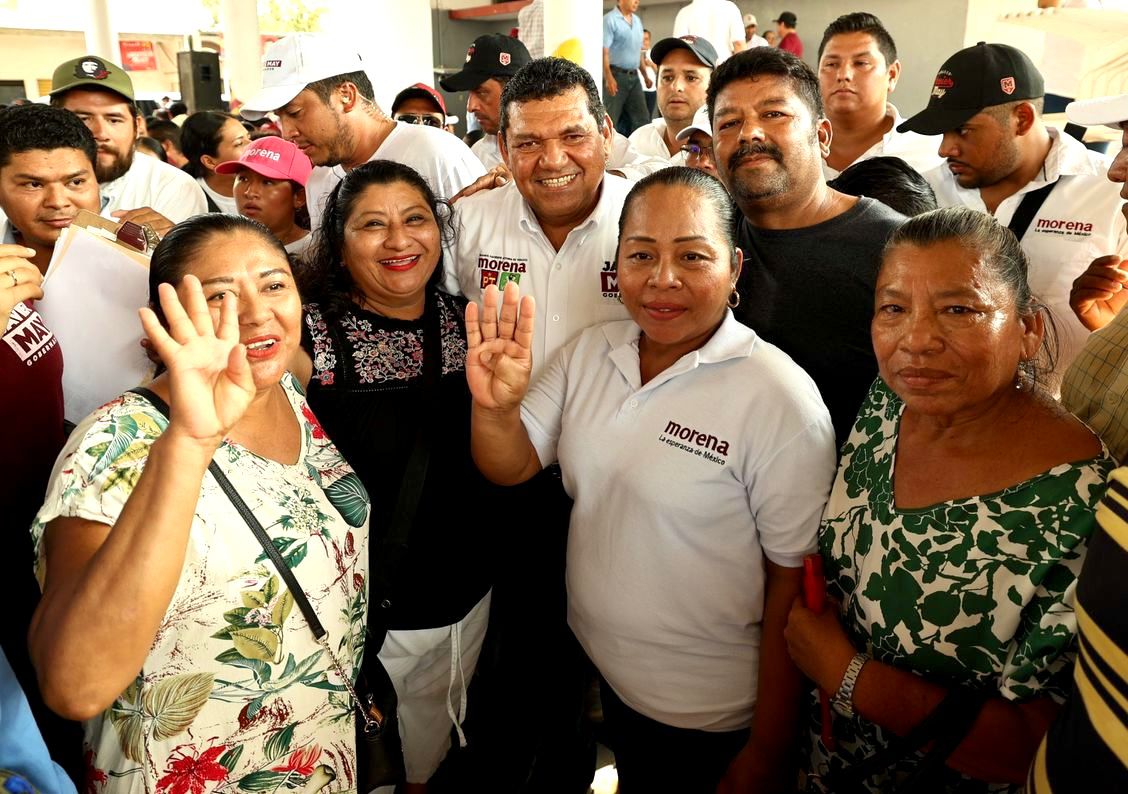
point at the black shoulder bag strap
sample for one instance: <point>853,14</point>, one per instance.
<point>284,570</point>
<point>1028,208</point>
<point>393,545</point>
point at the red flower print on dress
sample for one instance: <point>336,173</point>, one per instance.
<point>94,775</point>
<point>302,761</point>
<point>318,430</point>
<point>192,774</point>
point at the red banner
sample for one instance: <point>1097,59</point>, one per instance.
<point>137,55</point>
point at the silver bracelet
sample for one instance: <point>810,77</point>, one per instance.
<point>843,700</point>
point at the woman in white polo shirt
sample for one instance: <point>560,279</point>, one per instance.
<point>699,457</point>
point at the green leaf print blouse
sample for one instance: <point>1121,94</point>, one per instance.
<point>235,694</point>
<point>977,591</point>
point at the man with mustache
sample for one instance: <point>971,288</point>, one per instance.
<point>139,189</point>
<point>811,254</point>
<point>858,70</point>
<point>1004,160</point>
<point>685,65</point>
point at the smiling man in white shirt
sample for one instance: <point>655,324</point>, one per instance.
<point>858,70</point>
<point>685,66</point>
<point>1003,160</point>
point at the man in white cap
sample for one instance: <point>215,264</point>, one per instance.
<point>685,66</point>
<point>1086,743</point>
<point>697,143</point>
<point>324,101</point>
<point>751,37</point>
<point>716,20</point>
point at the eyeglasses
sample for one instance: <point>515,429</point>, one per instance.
<point>696,150</point>
<point>430,119</point>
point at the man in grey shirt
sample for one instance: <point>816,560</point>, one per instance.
<point>811,254</point>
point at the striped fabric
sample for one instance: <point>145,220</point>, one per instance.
<point>1086,749</point>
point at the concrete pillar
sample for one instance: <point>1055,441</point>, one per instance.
<point>393,37</point>
<point>101,38</point>
<point>242,48</point>
<point>575,28</point>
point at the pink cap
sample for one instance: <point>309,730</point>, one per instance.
<point>272,157</point>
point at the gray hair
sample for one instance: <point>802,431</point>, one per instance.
<point>1001,251</point>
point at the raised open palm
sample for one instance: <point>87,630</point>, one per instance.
<point>210,382</point>
<point>499,356</point>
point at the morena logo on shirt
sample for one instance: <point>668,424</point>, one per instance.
<point>695,442</point>
<point>1064,227</point>
<point>500,270</point>
<point>28,336</point>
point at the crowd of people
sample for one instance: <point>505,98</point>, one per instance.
<point>772,441</point>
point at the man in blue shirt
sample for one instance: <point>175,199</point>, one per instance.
<point>622,51</point>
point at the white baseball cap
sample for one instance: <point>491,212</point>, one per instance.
<point>700,123</point>
<point>1111,111</point>
<point>749,19</point>
<point>295,61</point>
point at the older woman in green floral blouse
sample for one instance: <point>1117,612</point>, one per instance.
<point>955,529</point>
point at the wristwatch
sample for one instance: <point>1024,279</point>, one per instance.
<point>843,700</point>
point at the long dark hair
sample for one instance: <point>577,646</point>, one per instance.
<point>200,136</point>
<point>325,279</point>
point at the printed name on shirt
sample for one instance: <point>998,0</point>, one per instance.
<point>28,336</point>
<point>1063,227</point>
<point>609,280</point>
<point>500,270</point>
<point>703,445</point>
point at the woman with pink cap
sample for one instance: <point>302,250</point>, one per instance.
<point>270,179</point>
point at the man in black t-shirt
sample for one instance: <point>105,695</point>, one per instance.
<point>811,254</point>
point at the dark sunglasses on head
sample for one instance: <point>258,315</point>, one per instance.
<point>430,119</point>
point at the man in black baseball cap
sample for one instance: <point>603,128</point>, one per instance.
<point>1002,159</point>
<point>685,67</point>
<point>789,40</point>
<point>490,61</point>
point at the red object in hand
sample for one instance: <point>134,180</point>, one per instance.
<point>814,598</point>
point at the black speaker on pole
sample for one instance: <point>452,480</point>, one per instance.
<point>200,84</point>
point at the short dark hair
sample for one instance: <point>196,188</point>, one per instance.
<point>325,87</point>
<point>324,276</point>
<point>891,181</point>
<point>545,78</point>
<point>57,100</point>
<point>154,146</point>
<point>165,131</point>
<point>188,239</point>
<point>710,188</point>
<point>996,246</point>
<point>861,22</point>
<point>178,109</point>
<point>200,136</point>
<point>24,128</point>
<point>771,61</point>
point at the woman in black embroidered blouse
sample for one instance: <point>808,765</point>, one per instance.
<point>370,341</point>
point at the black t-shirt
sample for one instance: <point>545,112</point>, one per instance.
<point>367,391</point>
<point>810,292</point>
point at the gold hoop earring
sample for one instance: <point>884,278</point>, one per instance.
<point>733,299</point>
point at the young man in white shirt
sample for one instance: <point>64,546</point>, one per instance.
<point>858,70</point>
<point>716,20</point>
<point>325,103</point>
<point>1002,158</point>
<point>139,189</point>
<point>490,62</point>
<point>685,66</point>
<point>751,38</point>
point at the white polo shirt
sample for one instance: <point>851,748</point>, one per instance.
<point>1079,221</point>
<point>682,486</point>
<point>485,149</point>
<point>717,21</point>
<point>159,186</point>
<point>650,139</point>
<point>632,163</point>
<point>442,159</point>
<point>576,287</point>
<point>919,151</point>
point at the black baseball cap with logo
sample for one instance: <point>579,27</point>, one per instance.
<point>701,49</point>
<point>973,79</point>
<point>493,55</point>
<point>788,19</point>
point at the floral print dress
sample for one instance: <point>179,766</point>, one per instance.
<point>976,591</point>
<point>235,695</point>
